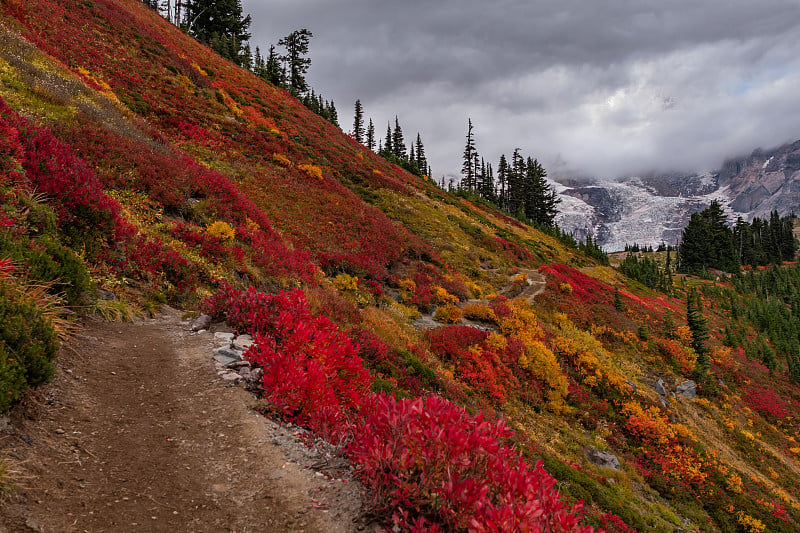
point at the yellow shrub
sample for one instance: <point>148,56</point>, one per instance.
<point>542,363</point>
<point>407,290</point>
<point>221,230</point>
<point>346,282</point>
<point>752,525</point>
<point>496,342</point>
<point>442,297</point>
<point>313,171</point>
<point>474,290</point>
<point>734,483</point>
<point>479,312</point>
<point>566,288</point>
<point>447,314</point>
<point>407,311</point>
<point>281,160</point>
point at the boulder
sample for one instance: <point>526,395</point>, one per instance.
<point>687,389</point>
<point>659,387</point>
<point>601,458</point>
<point>243,342</point>
<point>201,322</point>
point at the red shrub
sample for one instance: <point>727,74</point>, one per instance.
<point>430,458</point>
<point>767,402</point>
<point>312,372</point>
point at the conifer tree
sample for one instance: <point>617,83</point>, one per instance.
<point>516,184</point>
<point>358,123</point>
<point>540,199</point>
<point>468,168</point>
<point>273,72</point>
<point>371,136</point>
<point>502,182</point>
<point>220,24</point>
<point>398,142</point>
<point>295,60</point>
<point>422,162</point>
<point>699,329</point>
<point>707,242</point>
<point>387,145</point>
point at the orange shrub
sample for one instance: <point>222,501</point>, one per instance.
<point>442,297</point>
<point>313,171</point>
<point>281,160</point>
<point>222,230</point>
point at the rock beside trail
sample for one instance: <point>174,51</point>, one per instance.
<point>601,458</point>
<point>201,322</point>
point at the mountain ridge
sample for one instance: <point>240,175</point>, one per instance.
<point>748,186</point>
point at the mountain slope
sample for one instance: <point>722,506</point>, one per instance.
<point>174,175</point>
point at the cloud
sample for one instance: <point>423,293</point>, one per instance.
<point>610,88</point>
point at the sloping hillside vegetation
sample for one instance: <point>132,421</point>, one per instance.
<point>468,365</point>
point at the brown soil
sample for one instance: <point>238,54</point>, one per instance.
<point>138,433</point>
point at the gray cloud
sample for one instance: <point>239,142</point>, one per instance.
<point>609,87</point>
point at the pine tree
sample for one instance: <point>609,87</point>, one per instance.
<point>371,136</point>
<point>398,143</point>
<point>273,72</point>
<point>707,242</point>
<point>422,162</point>
<point>259,65</point>
<point>516,185</point>
<point>699,329</point>
<point>502,182</point>
<point>358,123</point>
<point>221,25</point>
<point>332,115</point>
<point>468,168</point>
<point>387,149</point>
<point>296,45</point>
<point>540,199</point>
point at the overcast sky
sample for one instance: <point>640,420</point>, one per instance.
<point>603,87</point>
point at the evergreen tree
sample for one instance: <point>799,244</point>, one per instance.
<point>273,72</point>
<point>332,115</point>
<point>468,168</point>
<point>540,199</point>
<point>358,123</point>
<point>221,25</point>
<point>371,135</point>
<point>422,162</point>
<point>296,45</point>
<point>502,182</point>
<point>699,329</point>
<point>707,242</point>
<point>398,142</point>
<point>516,185</point>
<point>387,146</point>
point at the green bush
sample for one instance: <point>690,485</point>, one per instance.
<point>28,344</point>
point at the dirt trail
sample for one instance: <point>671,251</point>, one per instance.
<point>137,433</point>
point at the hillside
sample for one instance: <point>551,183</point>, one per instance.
<point>437,342</point>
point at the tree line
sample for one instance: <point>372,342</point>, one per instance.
<point>519,187</point>
<point>709,242</point>
<point>393,145</point>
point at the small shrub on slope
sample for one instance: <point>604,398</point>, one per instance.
<point>28,343</point>
<point>312,372</point>
<point>434,467</point>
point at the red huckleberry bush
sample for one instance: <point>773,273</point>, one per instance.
<point>430,459</point>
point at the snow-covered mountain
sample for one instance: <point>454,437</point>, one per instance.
<point>650,209</point>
